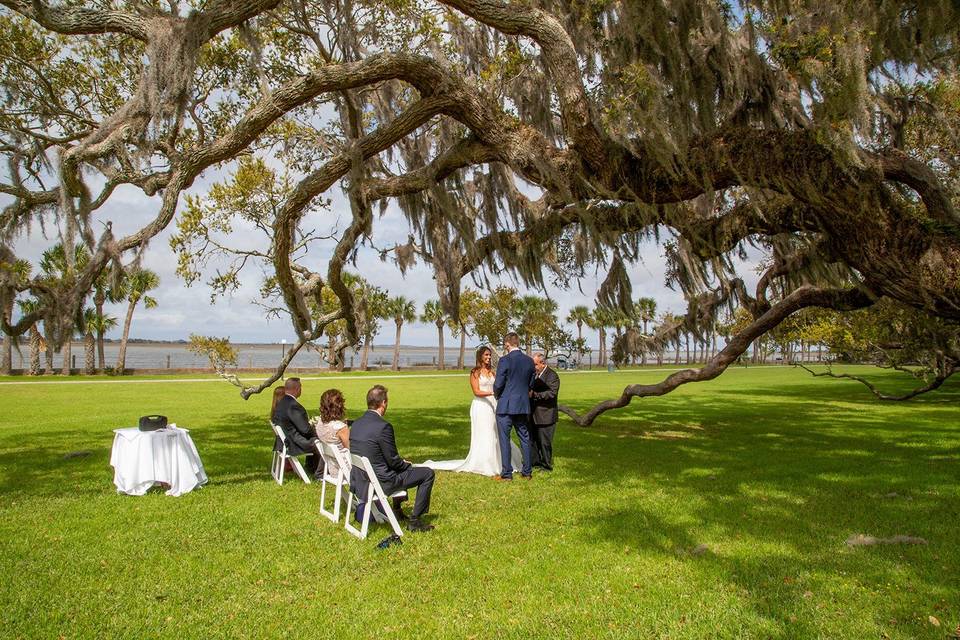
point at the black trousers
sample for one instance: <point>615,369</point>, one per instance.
<point>541,444</point>
<point>420,478</point>
<point>299,444</point>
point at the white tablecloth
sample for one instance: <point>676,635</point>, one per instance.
<point>140,459</point>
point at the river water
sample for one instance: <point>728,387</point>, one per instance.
<point>172,355</point>
<point>251,356</point>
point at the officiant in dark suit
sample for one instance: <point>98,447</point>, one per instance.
<point>372,437</point>
<point>543,412</point>
<point>291,417</point>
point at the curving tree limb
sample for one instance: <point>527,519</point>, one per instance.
<point>806,296</point>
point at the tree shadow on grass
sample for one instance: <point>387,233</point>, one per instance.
<point>777,467</point>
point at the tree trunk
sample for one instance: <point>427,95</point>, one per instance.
<point>396,349</point>
<point>686,344</point>
<point>35,341</point>
<point>67,346</point>
<point>98,301</point>
<point>603,348</point>
<point>676,359</point>
<point>6,363</point>
<point>48,352</point>
<point>365,354</point>
<point>122,357</point>
<point>89,354</point>
<point>440,363</point>
<point>463,346</point>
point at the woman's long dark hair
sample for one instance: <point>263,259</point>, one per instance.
<point>477,369</point>
<point>332,405</point>
<point>278,393</point>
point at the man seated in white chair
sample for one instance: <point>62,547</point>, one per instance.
<point>292,418</point>
<point>372,437</point>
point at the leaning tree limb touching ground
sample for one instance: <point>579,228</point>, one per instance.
<point>803,297</point>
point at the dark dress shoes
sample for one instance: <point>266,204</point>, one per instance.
<point>389,541</point>
<point>416,525</point>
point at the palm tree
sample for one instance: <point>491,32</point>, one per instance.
<point>433,312</point>
<point>470,302</point>
<point>11,275</point>
<point>95,322</point>
<point>135,289</point>
<point>36,340</point>
<point>103,293</point>
<point>645,310</point>
<point>600,320</point>
<point>401,310</point>
<point>579,315</point>
<point>89,344</point>
<point>376,301</point>
<point>58,274</point>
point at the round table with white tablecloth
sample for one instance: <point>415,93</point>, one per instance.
<point>141,459</point>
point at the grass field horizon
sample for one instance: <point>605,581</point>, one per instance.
<point>720,510</point>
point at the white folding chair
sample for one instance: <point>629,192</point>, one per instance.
<point>280,458</point>
<point>374,492</point>
<point>332,457</point>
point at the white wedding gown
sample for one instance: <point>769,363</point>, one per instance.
<point>484,454</point>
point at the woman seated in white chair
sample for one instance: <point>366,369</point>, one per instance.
<point>332,428</point>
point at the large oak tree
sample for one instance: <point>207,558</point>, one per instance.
<point>539,137</point>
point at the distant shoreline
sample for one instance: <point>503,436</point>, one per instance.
<point>140,342</point>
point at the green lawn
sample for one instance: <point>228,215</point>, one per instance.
<point>719,511</point>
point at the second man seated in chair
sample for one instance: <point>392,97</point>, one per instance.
<point>290,416</point>
<point>372,437</point>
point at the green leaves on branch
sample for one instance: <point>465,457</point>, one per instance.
<point>218,350</point>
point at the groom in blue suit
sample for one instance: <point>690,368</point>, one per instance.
<point>515,376</point>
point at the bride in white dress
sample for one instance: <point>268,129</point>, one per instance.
<point>484,455</point>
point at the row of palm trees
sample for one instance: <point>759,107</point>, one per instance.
<point>92,323</point>
<point>601,318</point>
<point>528,312</point>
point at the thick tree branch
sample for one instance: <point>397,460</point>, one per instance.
<point>80,20</point>
<point>806,296</point>
<point>466,152</point>
<point>900,167</point>
<point>545,29</point>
